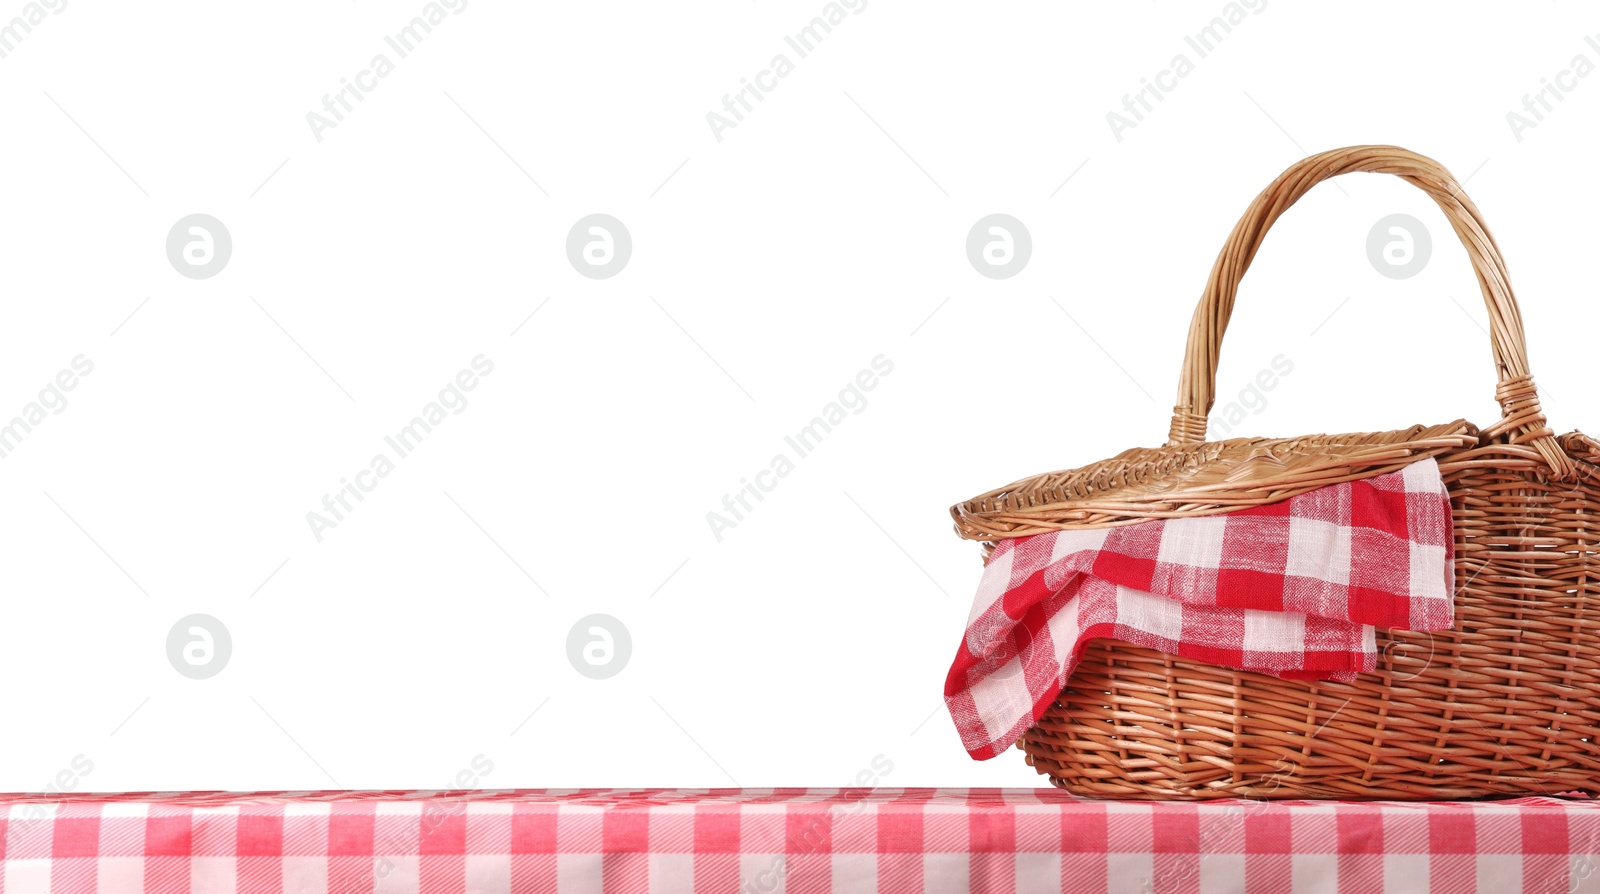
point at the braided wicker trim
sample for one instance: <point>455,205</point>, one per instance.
<point>1196,479</point>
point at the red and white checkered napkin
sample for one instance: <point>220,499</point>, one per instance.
<point>1291,589</point>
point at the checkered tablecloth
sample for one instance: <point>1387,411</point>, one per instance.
<point>801,841</point>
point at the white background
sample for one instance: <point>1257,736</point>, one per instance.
<point>768,268</point>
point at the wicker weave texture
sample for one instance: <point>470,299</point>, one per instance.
<point>1506,703</point>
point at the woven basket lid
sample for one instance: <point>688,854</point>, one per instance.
<point>1196,479</point>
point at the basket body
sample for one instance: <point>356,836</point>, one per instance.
<point>1507,703</point>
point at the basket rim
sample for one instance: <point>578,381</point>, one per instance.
<point>1207,478</point>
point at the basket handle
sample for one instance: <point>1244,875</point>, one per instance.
<point>1521,415</point>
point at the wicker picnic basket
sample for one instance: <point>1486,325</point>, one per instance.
<point>1506,703</point>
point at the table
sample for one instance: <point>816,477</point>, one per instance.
<point>800,841</point>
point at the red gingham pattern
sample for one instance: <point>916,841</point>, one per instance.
<point>799,841</point>
<point>1292,589</point>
